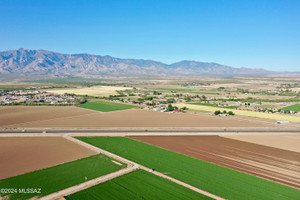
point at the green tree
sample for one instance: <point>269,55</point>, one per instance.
<point>217,112</point>
<point>170,108</point>
<point>230,113</point>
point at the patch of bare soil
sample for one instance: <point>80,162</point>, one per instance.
<point>12,115</point>
<point>286,142</point>
<point>19,155</point>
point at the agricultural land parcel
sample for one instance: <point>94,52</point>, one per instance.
<point>74,117</point>
<point>266,162</point>
<point>137,185</point>
<point>285,142</point>
<point>19,155</point>
<point>25,114</point>
<point>188,90</point>
<point>221,181</point>
<point>295,107</point>
<point>213,105</point>
<point>241,112</point>
<point>105,106</point>
<point>59,177</point>
<point>90,91</point>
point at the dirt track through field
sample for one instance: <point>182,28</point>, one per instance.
<point>131,166</point>
<point>274,164</point>
<point>19,155</point>
<point>73,117</point>
<point>87,184</point>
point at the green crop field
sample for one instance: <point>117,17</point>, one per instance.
<point>218,180</point>
<point>295,107</point>
<point>59,177</point>
<point>105,106</point>
<point>137,185</point>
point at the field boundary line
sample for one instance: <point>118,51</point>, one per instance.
<point>138,166</point>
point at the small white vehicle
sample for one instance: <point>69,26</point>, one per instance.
<point>282,122</point>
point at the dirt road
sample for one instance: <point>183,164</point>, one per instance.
<point>88,184</point>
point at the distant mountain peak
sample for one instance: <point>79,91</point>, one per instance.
<point>43,62</point>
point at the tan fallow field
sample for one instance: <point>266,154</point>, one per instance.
<point>74,117</point>
<point>286,142</point>
<point>22,114</point>
<point>91,91</point>
<point>242,112</point>
<point>267,162</point>
<point>19,155</point>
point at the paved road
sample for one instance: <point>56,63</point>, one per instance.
<point>61,131</point>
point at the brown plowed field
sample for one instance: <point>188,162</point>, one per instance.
<point>267,162</point>
<point>73,117</point>
<point>19,155</point>
<point>12,115</point>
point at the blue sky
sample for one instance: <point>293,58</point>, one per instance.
<point>256,34</point>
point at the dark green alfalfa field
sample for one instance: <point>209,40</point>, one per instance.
<point>218,180</point>
<point>59,177</point>
<point>138,185</point>
<point>105,106</point>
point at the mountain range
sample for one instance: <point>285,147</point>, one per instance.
<point>42,62</point>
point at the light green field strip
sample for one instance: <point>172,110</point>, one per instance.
<point>295,107</point>
<point>137,185</point>
<point>241,112</point>
<point>217,180</point>
<point>59,177</point>
<point>91,91</point>
<point>105,106</point>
